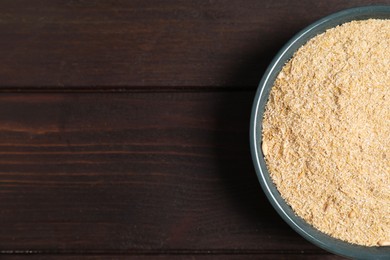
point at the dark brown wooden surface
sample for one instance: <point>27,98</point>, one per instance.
<point>143,43</point>
<point>137,144</point>
<point>129,172</point>
<point>178,256</point>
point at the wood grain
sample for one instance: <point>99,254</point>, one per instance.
<point>134,173</point>
<point>179,256</point>
<point>111,44</point>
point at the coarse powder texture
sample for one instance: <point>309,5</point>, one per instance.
<point>326,132</point>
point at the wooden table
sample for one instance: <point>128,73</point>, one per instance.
<point>124,128</point>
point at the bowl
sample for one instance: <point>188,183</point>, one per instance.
<point>307,231</point>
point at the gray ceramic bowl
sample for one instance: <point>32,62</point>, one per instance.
<point>298,224</point>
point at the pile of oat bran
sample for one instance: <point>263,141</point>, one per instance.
<point>326,132</point>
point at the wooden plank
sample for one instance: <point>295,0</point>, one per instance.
<point>142,44</point>
<point>104,173</point>
<point>184,256</point>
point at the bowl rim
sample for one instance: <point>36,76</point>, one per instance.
<point>307,231</point>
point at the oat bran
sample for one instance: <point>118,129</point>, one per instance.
<point>326,132</point>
